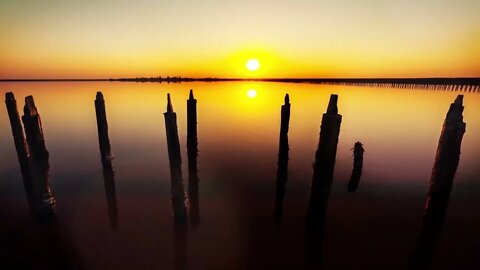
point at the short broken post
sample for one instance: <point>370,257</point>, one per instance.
<point>282,163</point>
<point>175,160</point>
<point>324,164</point>
<point>192,154</point>
<point>102,127</point>
<point>446,162</point>
<point>106,157</point>
<point>357,167</point>
<point>39,158</point>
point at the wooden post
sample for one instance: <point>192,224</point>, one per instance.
<point>324,164</point>
<point>446,162</point>
<point>106,157</point>
<point>20,147</point>
<point>17,129</point>
<point>192,153</point>
<point>282,164</point>
<point>102,127</point>
<point>175,159</point>
<point>39,158</point>
<point>357,166</point>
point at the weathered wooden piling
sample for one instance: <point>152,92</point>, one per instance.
<point>17,129</point>
<point>282,163</point>
<point>39,158</point>
<point>20,147</point>
<point>192,154</point>
<point>102,128</point>
<point>357,167</point>
<point>175,159</point>
<point>324,164</point>
<point>106,157</point>
<point>446,161</point>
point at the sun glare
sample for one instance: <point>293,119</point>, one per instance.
<point>252,64</point>
<point>251,93</point>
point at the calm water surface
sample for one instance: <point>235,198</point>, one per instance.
<point>375,227</point>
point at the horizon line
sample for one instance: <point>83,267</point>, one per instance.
<point>179,78</point>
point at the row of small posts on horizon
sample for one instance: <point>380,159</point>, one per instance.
<point>34,163</point>
<point>422,86</point>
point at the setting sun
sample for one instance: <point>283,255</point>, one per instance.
<point>252,64</point>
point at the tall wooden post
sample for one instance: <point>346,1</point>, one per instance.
<point>39,158</point>
<point>20,147</point>
<point>324,164</point>
<point>357,167</point>
<point>175,159</point>
<point>102,127</point>
<point>446,161</point>
<point>282,164</point>
<point>106,156</point>
<point>17,129</point>
<point>192,153</point>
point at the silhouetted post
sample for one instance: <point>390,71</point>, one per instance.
<point>102,127</point>
<point>192,153</point>
<point>17,129</point>
<point>324,164</point>
<point>357,166</point>
<point>446,161</point>
<point>282,164</point>
<point>20,146</point>
<point>39,158</point>
<point>106,156</point>
<point>174,156</point>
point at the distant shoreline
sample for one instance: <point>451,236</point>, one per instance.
<point>474,81</point>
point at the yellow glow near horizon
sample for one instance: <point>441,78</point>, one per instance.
<point>252,64</point>
<point>350,38</point>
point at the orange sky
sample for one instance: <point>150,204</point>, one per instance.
<point>303,38</point>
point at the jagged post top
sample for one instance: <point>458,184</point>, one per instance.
<point>169,104</point>
<point>459,100</point>
<point>99,96</point>
<point>190,96</point>
<point>9,96</point>
<point>30,108</point>
<point>456,110</point>
<point>287,99</point>
<point>332,104</point>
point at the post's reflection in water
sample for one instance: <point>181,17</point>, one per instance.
<point>193,196</point>
<point>109,181</point>
<point>180,244</point>
<point>426,244</point>
<point>314,236</point>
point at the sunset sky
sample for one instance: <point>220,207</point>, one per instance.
<point>302,38</point>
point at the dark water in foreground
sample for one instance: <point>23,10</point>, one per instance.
<point>374,228</point>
